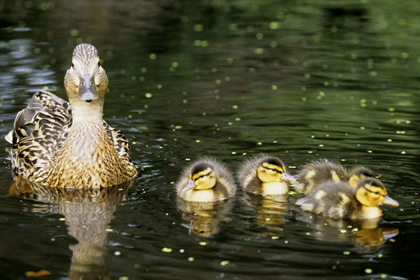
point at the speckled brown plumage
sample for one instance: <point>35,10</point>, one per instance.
<point>67,144</point>
<point>342,201</point>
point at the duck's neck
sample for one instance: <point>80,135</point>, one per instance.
<point>87,112</point>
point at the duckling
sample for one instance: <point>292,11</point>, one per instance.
<point>63,144</point>
<point>318,172</point>
<point>342,201</point>
<point>206,180</point>
<point>264,175</point>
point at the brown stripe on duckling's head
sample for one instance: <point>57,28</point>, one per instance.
<point>359,173</point>
<point>272,169</point>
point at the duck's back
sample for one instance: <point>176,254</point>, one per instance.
<point>39,130</point>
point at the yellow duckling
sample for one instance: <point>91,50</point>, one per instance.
<point>264,175</point>
<point>342,201</point>
<point>206,180</point>
<point>67,144</point>
<point>319,172</point>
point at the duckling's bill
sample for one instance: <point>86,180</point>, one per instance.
<point>189,186</point>
<point>287,177</point>
<point>391,202</point>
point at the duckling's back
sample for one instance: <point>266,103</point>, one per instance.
<point>318,173</point>
<point>332,200</point>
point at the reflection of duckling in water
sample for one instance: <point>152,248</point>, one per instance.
<point>269,210</point>
<point>342,201</point>
<point>204,217</point>
<point>264,175</point>
<point>365,234</point>
<point>319,172</point>
<point>206,180</point>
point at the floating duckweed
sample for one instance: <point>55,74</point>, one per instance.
<point>391,109</point>
<point>152,56</point>
<point>223,263</point>
<point>227,78</point>
<point>178,127</point>
<point>362,127</point>
<point>187,159</point>
<point>37,50</point>
<point>229,60</point>
<point>275,141</point>
<point>123,278</point>
<point>368,270</point>
<point>259,143</point>
<point>274,87</point>
<point>166,250</point>
<point>235,107</point>
<point>148,95</point>
<point>190,259</point>
<point>404,55</point>
<point>218,82</point>
<point>251,69</point>
<point>353,56</point>
<point>346,253</point>
<point>304,99</point>
<point>326,84</point>
<point>185,101</point>
<point>389,140</point>
<point>307,76</point>
<point>203,243</point>
<point>403,152</point>
<point>197,141</point>
<point>45,88</point>
<point>109,230</point>
<point>274,25</point>
<point>259,36</point>
<point>321,145</point>
<point>310,152</point>
<point>383,275</point>
<point>233,153</point>
<point>198,27</point>
<point>143,70</point>
<point>237,119</point>
<point>159,86</point>
<point>259,51</point>
<point>400,132</point>
<point>369,151</point>
<point>117,253</point>
<point>286,241</point>
<point>62,219</point>
<point>275,237</point>
<point>74,32</point>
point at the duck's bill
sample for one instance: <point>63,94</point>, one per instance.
<point>189,186</point>
<point>389,201</point>
<point>87,89</point>
<point>287,177</point>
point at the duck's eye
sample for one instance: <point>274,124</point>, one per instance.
<point>99,64</point>
<point>72,65</point>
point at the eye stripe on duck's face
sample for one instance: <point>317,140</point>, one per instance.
<point>374,192</point>
<point>201,174</point>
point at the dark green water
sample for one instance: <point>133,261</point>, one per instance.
<point>296,79</point>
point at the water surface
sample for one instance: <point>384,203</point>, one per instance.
<point>300,80</point>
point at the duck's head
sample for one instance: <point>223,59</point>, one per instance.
<point>371,192</point>
<point>272,169</point>
<point>86,80</point>
<point>203,177</point>
<point>359,173</point>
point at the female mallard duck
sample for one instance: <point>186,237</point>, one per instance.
<point>342,201</point>
<point>319,172</point>
<point>61,144</point>
<point>264,175</point>
<point>206,180</point>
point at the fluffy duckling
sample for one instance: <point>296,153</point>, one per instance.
<point>63,144</point>
<point>319,172</point>
<point>264,175</point>
<point>206,180</point>
<point>342,201</point>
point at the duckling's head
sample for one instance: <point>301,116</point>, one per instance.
<point>86,81</point>
<point>272,169</point>
<point>359,173</point>
<point>203,177</point>
<point>371,192</point>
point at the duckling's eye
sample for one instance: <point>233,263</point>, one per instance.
<point>72,65</point>
<point>99,64</point>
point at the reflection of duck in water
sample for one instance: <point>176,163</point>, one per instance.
<point>264,175</point>
<point>204,217</point>
<point>88,214</point>
<point>67,144</point>
<point>319,172</point>
<point>342,201</point>
<point>269,210</point>
<point>206,180</point>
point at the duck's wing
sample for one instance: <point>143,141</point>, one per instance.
<point>38,132</point>
<point>120,142</point>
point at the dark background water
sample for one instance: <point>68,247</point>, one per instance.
<point>298,79</point>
